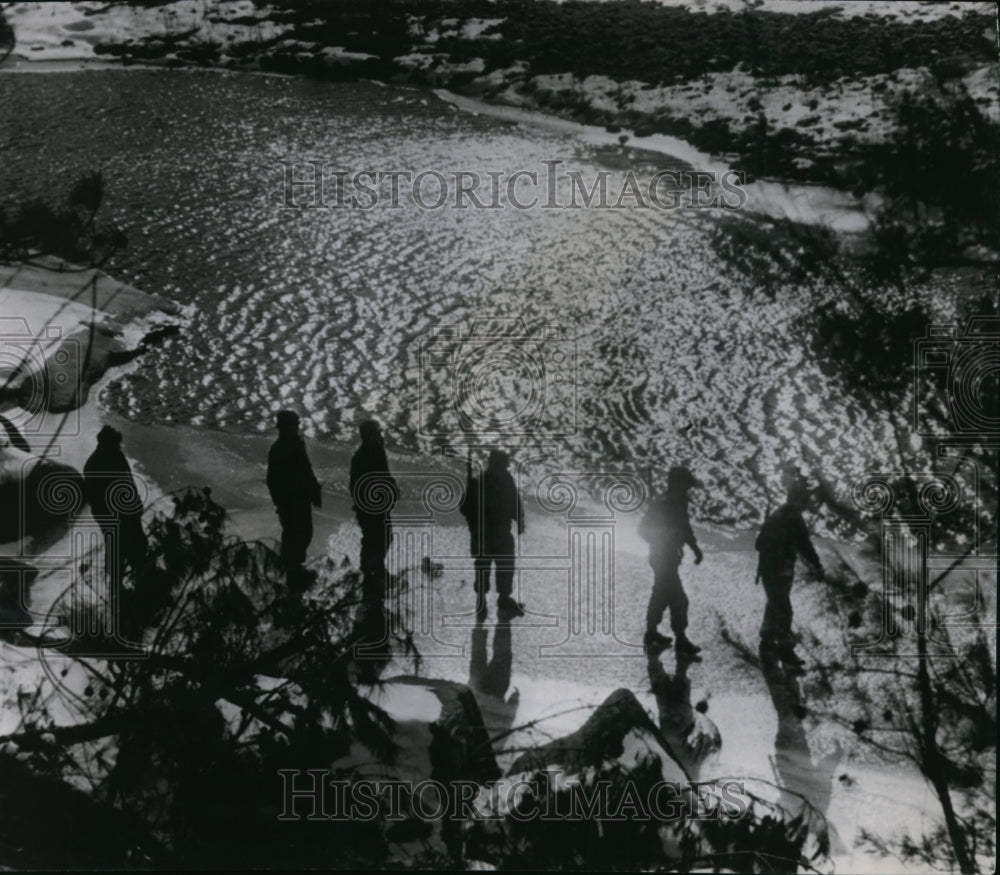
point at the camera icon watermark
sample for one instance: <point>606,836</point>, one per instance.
<point>965,366</point>
<point>40,372</point>
<point>499,379</point>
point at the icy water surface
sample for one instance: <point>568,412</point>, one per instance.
<point>678,356</point>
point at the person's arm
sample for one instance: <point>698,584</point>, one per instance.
<point>316,494</point>
<point>520,513</point>
<point>804,545</point>
<point>691,540</point>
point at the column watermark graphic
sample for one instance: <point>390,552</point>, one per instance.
<point>956,368</point>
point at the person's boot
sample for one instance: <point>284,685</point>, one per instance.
<point>508,609</point>
<point>655,641</point>
<point>686,647</point>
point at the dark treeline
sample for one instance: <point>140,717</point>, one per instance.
<point>657,44</point>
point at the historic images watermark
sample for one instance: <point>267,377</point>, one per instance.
<point>319,795</point>
<point>318,184</point>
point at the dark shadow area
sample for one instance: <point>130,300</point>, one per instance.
<point>493,677</point>
<point>489,679</point>
<point>795,769</point>
<point>692,736</point>
<point>16,579</point>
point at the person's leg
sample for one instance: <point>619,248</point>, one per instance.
<point>301,535</point>
<point>658,600</point>
<point>502,550</point>
<point>505,567</point>
<point>373,551</point>
<point>783,613</point>
<point>482,584</point>
<point>287,551</point>
<point>676,600</point>
<point>369,549</point>
<point>769,624</point>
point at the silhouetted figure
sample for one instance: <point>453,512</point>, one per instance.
<point>472,509</point>
<point>295,491</point>
<point>491,505</point>
<point>782,538</point>
<point>667,528</point>
<point>374,493</point>
<point>115,503</point>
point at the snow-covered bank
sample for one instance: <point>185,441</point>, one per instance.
<point>531,683</point>
<point>807,138</point>
<point>67,332</point>
<point>822,205</point>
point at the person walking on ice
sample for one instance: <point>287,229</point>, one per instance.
<point>295,491</point>
<point>490,505</point>
<point>667,529</point>
<point>374,493</point>
<point>783,537</point>
<point>115,503</point>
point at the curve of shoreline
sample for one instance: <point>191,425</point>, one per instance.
<point>802,203</point>
<point>805,204</point>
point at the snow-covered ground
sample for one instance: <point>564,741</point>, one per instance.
<point>69,31</point>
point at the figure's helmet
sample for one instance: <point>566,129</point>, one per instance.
<point>680,477</point>
<point>798,492</point>
<point>287,420</point>
<point>370,430</point>
<point>498,460</point>
<point>109,437</point>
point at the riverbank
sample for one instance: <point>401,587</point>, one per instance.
<point>558,659</point>
<point>540,680</point>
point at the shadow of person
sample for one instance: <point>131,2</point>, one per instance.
<point>691,735</point>
<point>795,769</point>
<point>489,680</point>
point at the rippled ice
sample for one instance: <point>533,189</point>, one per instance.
<point>677,355</point>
